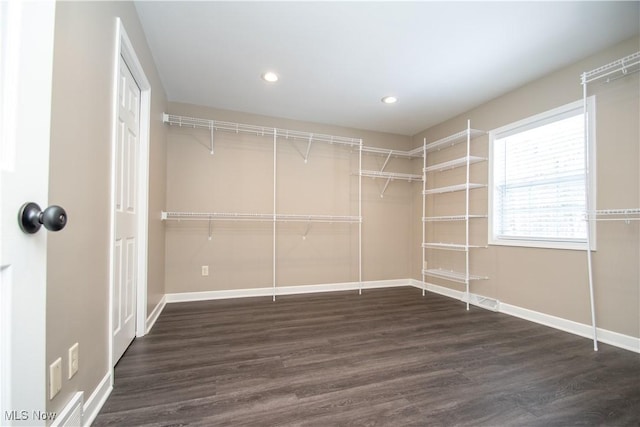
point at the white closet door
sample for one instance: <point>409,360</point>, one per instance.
<point>126,216</point>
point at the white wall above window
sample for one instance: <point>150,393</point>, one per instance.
<point>537,191</point>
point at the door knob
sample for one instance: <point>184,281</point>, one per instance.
<point>31,218</point>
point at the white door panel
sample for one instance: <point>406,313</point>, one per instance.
<point>26,64</point>
<point>126,218</point>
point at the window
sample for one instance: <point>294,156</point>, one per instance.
<point>537,191</point>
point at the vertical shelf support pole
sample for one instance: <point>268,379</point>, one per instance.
<point>466,213</point>
<point>588,208</point>
<point>424,213</point>
<point>275,157</point>
<point>360,219</point>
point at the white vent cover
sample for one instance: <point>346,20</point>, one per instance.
<point>71,415</point>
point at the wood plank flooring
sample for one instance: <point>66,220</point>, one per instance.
<point>387,357</point>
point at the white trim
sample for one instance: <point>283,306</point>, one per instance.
<point>608,337</point>
<point>69,416</point>
<point>282,290</point>
<point>137,71</point>
<point>124,48</point>
<point>96,401</point>
<point>528,123</point>
<point>605,336</point>
<point>151,320</point>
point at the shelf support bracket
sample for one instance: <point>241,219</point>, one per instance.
<point>211,145</point>
<point>210,228</point>
<point>385,187</point>
<point>386,162</point>
<point>306,156</point>
<point>306,231</point>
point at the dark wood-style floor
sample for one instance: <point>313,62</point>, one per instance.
<point>387,357</point>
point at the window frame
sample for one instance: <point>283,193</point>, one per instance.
<point>537,120</point>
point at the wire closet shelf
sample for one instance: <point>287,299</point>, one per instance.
<point>610,72</point>
<point>216,125</point>
<point>229,216</point>
<point>465,161</point>
<point>274,217</point>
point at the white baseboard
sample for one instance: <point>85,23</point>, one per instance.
<point>283,290</point>
<point>97,399</point>
<point>605,336</point>
<point>71,415</point>
<point>608,337</point>
<point>151,320</point>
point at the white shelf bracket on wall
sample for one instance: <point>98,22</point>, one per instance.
<point>306,156</point>
<point>384,165</point>
<point>386,184</point>
<point>306,231</point>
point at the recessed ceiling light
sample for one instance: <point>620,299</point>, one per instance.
<point>270,77</point>
<point>389,99</point>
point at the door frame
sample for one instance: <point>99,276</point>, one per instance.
<point>124,48</point>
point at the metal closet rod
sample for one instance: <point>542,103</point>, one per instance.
<point>204,216</point>
<point>258,130</point>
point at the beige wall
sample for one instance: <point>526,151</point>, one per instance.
<point>555,281</point>
<point>239,178</point>
<point>80,164</point>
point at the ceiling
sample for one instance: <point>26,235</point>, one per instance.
<point>336,60</point>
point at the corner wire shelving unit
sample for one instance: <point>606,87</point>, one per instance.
<point>309,138</point>
<point>610,72</point>
<point>391,176</point>
<point>464,277</point>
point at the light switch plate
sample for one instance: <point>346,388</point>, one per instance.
<point>55,377</point>
<point>73,359</point>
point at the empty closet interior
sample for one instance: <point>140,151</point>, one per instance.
<point>264,206</point>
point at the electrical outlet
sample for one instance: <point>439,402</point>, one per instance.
<point>205,270</point>
<point>73,360</point>
<point>55,377</point>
